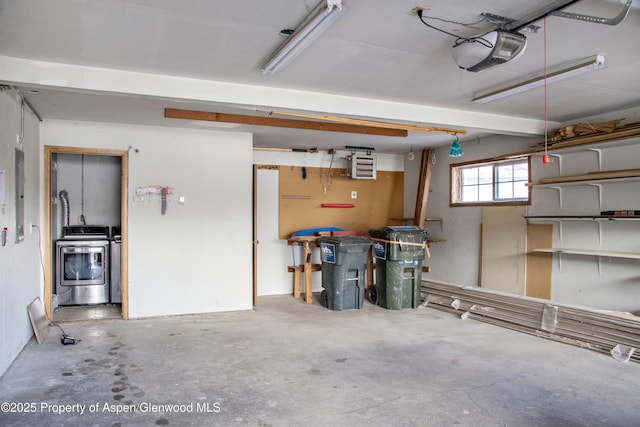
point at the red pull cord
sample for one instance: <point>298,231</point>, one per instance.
<point>545,158</point>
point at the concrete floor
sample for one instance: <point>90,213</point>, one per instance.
<point>93,312</point>
<point>291,364</point>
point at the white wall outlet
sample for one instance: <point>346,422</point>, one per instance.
<point>354,194</point>
<point>181,200</point>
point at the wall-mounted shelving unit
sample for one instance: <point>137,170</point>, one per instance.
<point>609,254</point>
<point>587,252</point>
<point>559,219</point>
<point>595,179</point>
<point>599,180</point>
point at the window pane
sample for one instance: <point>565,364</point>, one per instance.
<point>520,190</point>
<point>504,173</point>
<point>470,176</point>
<point>485,192</point>
<point>504,190</point>
<point>485,174</point>
<point>521,172</point>
<point>492,181</point>
<point>469,194</point>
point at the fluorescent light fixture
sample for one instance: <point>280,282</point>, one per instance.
<point>566,71</point>
<point>318,21</point>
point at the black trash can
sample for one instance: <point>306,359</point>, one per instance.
<point>344,271</point>
<point>398,252</point>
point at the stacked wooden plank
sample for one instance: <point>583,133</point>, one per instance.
<point>584,129</point>
<point>623,132</point>
<point>601,331</point>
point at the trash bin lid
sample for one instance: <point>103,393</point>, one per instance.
<point>345,240</point>
<point>392,231</point>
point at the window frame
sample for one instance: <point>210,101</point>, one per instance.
<point>455,182</point>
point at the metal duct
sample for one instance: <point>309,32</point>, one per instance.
<point>64,199</point>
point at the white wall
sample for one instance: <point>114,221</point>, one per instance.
<point>273,252</point>
<point>20,268</point>
<point>411,178</point>
<point>612,284</point>
<point>457,259</point>
<point>197,257</point>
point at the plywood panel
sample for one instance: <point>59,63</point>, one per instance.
<point>304,189</point>
<point>38,319</point>
<point>539,265</point>
<point>504,236</point>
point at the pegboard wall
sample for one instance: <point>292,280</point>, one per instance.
<point>303,191</point>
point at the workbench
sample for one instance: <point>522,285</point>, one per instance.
<point>307,266</point>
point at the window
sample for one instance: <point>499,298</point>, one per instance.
<point>488,183</point>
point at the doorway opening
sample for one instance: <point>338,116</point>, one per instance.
<point>101,179</point>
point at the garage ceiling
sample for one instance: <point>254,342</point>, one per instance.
<point>82,59</point>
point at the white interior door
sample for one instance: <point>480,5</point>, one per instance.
<point>273,254</point>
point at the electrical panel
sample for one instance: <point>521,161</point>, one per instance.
<point>362,166</point>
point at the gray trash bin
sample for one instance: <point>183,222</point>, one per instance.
<point>398,252</point>
<point>344,271</point>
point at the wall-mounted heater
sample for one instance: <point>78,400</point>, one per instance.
<point>361,166</point>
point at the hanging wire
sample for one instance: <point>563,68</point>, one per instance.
<point>479,39</point>
<point>454,22</point>
<point>328,176</point>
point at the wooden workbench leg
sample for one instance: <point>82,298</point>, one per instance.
<point>308,297</point>
<point>308,284</point>
<point>296,282</point>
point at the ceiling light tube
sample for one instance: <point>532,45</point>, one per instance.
<point>566,71</point>
<point>313,25</point>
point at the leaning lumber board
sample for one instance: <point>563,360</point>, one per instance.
<point>594,320</point>
<point>603,347</point>
<point>601,335</point>
<point>597,330</point>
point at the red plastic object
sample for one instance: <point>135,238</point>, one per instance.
<point>338,205</point>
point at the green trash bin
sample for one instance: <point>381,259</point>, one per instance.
<point>398,252</point>
<point>344,271</point>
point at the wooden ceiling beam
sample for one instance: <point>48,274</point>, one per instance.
<point>387,125</point>
<point>173,113</point>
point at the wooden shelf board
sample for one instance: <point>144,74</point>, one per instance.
<point>583,182</point>
<point>584,217</point>
<point>411,218</point>
<point>590,178</point>
<point>610,254</point>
